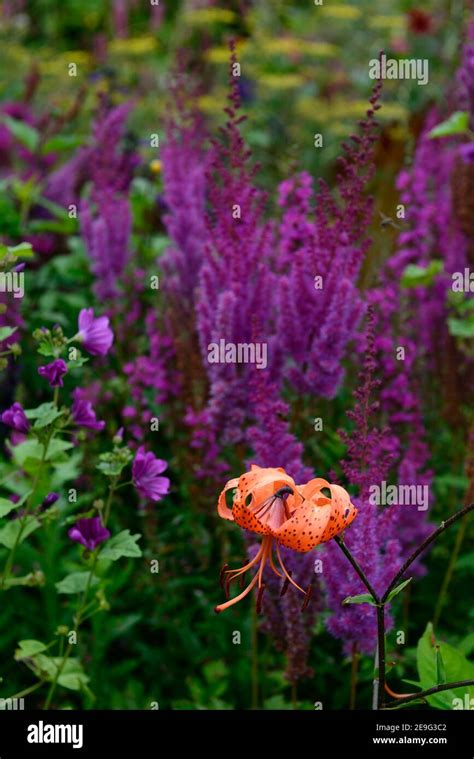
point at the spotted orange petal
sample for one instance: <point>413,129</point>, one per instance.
<point>222,508</point>
<point>305,528</point>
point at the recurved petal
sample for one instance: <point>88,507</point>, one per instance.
<point>306,527</point>
<point>260,477</point>
<point>312,490</point>
<point>343,512</point>
<point>222,508</point>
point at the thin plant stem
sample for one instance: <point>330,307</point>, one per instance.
<point>380,655</point>
<point>354,674</point>
<point>294,695</point>
<point>450,570</point>
<point>443,526</point>
<point>255,684</point>
<point>11,557</point>
<point>429,692</point>
<point>27,691</point>
<point>357,568</point>
<point>77,621</point>
<point>380,603</point>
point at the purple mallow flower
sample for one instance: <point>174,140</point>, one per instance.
<point>54,372</point>
<point>90,532</point>
<point>15,417</point>
<point>94,333</point>
<point>145,472</point>
<point>83,413</point>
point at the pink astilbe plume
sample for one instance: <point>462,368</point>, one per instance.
<point>106,219</point>
<point>374,536</point>
<point>323,241</point>
<point>235,281</point>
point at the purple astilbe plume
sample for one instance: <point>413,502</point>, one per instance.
<point>271,441</point>
<point>373,537</point>
<point>106,220</point>
<point>235,283</point>
<point>151,378</point>
<point>90,532</point>
<point>438,226</point>
<point>185,168</point>
<point>322,245</point>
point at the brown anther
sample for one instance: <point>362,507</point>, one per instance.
<point>285,586</point>
<point>307,598</point>
<point>259,599</point>
<point>222,575</point>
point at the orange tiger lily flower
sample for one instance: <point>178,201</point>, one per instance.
<point>268,502</point>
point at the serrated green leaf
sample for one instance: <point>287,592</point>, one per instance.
<point>44,414</point>
<point>457,123</point>
<point>123,544</point>
<point>76,582</point>
<point>9,533</point>
<point>6,506</point>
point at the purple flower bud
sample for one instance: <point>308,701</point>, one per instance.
<point>89,532</point>
<point>49,500</point>
<point>15,417</point>
<point>94,333</point>
<point>54,372</point>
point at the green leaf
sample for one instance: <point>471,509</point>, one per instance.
<point>458,123</point>
<point>456,667</point>
<point>44,414</point>
<point>398,589</point>
<point>363,598</point>
<point>6,332</point>
<point>73,676</point>
<point>440,668</point>
<point>417,276</point>
<point>29,449</point>
<point>28,648</point>
<point>24,133</point>
<point>123,544</point>
<point>113,462</point>
<point>60,143</point>
<point>76,582</point>
<point>463,328</point>
<point>466,646</point>
<point>57,447</point>
<point>9,533</point>
<point>22,250</point>
<point>6,506</point>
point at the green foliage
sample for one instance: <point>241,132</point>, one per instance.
<point>122,544</point>
<point>440,662</point>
